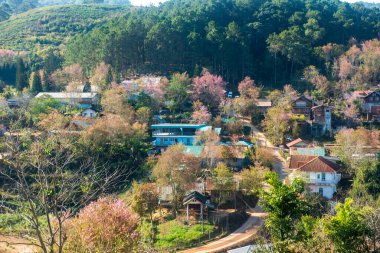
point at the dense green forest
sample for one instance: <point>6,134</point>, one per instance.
<point>271,40</point>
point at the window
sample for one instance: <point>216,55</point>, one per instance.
<point>318,176</point>
<point>321,191</point>
<point>300,103</point>
<point>188,141</point>
<point>323,176</point>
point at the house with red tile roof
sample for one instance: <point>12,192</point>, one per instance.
<point>319,173</point>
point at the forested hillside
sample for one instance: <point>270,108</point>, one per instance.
<point>53,25</point>
<point>269,40</point>
<point>11,7</point>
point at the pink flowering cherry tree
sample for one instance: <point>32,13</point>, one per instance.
<point>106,225</point>
<point>201,115</point>
<point>209,89</point>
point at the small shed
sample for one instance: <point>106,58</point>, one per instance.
<point>196,199</point>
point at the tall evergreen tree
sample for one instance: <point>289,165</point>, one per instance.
<point>109,76</point>
<point>45,84</point>
<point>35,82</point>
<point>21,82</point>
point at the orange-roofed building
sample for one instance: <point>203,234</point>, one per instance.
<point>319,173</point>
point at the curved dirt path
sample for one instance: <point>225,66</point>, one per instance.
<point>246,231</point>
<point>280,163</point>
<point>11,244</point>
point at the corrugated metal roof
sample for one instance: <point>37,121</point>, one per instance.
<point>63,95</point>
<point>193,150</point>
<point>310,151</point>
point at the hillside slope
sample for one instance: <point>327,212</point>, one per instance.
<point>53,25</point>
<point>270,40</point>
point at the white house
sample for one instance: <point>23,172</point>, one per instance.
<point>320,174</point>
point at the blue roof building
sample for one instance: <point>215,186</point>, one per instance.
<point>171,133</point>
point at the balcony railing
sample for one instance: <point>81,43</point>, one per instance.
<point>316,181</point>
<point>320,181</point>
<point>160,133</point>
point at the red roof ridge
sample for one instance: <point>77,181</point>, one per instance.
<point>292,143</point>
<point>331,167</point>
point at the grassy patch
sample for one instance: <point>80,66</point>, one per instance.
<point>13,224</point>
<point>173,234</point>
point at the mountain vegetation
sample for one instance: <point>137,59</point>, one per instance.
<point>9,7</point>
<point>273,41</point>
<point>52,25</point>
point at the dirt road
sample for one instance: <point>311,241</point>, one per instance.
<point>10,244</point>
<point>246,231</point>
<point>280,163</point>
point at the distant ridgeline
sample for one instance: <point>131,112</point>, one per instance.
<point>370,5</point>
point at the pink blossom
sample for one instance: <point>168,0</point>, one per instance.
<point>200,115</point>
<point>247,88</point>
<point>209,89</point>
<point>106,225</point>
<point>4,53</point>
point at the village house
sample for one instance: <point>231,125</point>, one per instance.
<point>82,99</point>
<point>316,116</point>
<point>302,106</point>
<point>168,134</point>
<point>264,105</point>
<point>369,102</point>
<point>234,155</point>
<point>321,120</point>
<point>319,173</point>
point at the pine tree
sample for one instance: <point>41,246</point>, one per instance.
<point>109,76</point>
<point>45,84</point>
<point>35,82</point>
<point>21,82</point>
